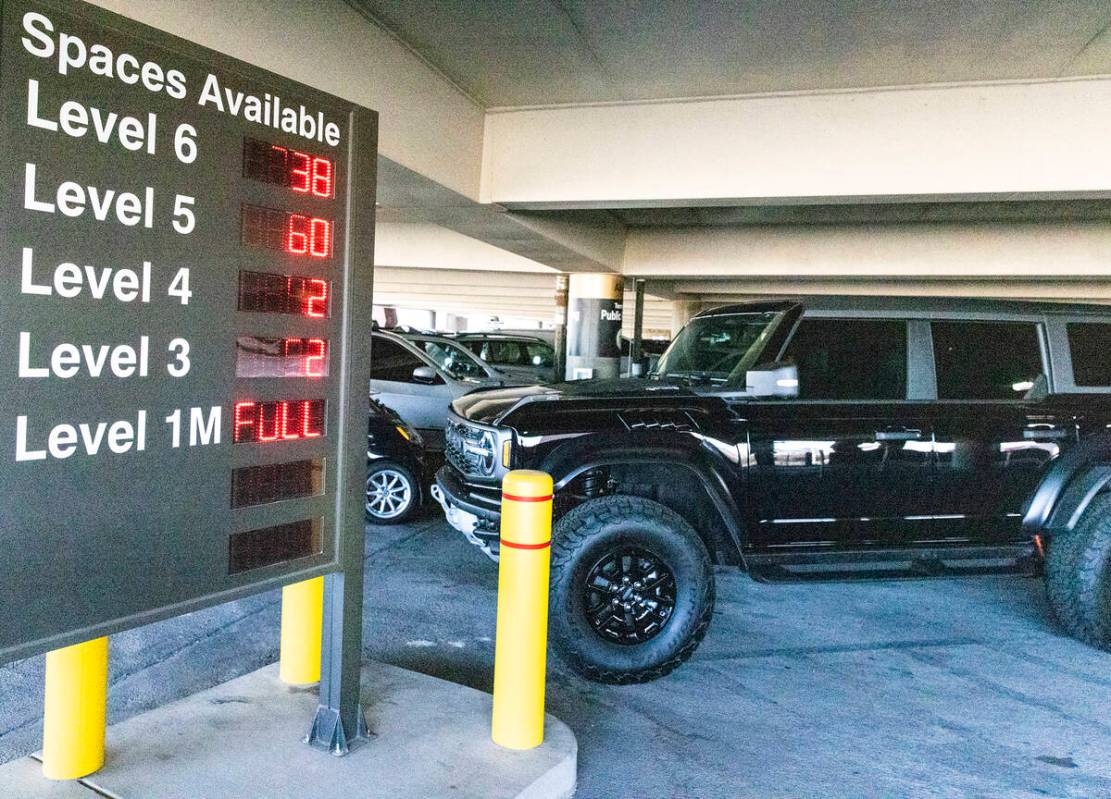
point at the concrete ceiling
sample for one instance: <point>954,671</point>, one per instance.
<point>507,53</point>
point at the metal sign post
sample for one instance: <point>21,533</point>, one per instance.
<point>186,254</point>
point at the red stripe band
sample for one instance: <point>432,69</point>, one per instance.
<point>515,498</point>
<point>515,545</point>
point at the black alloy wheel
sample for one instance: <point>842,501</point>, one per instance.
<point>629,595</point>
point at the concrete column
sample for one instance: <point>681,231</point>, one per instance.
<point>681,313</point>
<point>636,368</point>
<point>594,326</point>
<point>560,320</point>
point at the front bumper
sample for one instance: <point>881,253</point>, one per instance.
<point>476,514</point>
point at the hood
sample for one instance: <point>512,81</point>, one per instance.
<point>491,405</point>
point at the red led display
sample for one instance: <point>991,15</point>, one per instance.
<point>282,420</point>
<point>296,234</point>
<point>308,235</point>
<point>266,292</point>
<point>281,357</point>
<point>302,172</point>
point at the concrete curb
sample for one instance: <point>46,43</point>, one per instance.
<point>243,738</point>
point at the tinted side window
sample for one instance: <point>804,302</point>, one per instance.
<point>843,359</point>
<point>390,361</point>
<point>540,354</point>
<point>505,353</point>
<point>1090,345</point>
<point>452,360</point>
<point>986,360</point>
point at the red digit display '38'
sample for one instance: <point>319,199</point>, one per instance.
<point>283,166</point>
<point>309,174</point>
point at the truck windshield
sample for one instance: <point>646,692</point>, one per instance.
<point>717,349</point>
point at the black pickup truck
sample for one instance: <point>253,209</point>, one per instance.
<point>900,436</point>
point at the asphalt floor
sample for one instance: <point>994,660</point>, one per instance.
<point>944,687</point>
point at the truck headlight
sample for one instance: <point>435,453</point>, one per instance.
<point>484,452</point>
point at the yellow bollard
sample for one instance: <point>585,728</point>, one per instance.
<point>302,619</point>
<point>75,710</point>
<point>520,651</point>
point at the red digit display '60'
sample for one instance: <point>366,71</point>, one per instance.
<point>309,235</point>
<point>296,234</point>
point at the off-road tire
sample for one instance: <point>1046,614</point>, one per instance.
<point>1078,576</point>
<point>580,540</point>
<point>1060,582</point>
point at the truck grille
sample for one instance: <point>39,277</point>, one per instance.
<point>456,438</point>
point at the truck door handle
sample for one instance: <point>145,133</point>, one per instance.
<point>1045,433</point>
<point>898,435</point>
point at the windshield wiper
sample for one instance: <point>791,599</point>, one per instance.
<point>695,378</point>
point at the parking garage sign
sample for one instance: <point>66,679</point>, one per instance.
<point>186,248</point>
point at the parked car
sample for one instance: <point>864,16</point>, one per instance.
<point>527,359</point>
<point>406,379</point>
<point>454,357</point>
<point>919,435</point>
<point>396,468</point>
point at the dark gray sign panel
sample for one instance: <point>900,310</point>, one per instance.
<point>186,247</point>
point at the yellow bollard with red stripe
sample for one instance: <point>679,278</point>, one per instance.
<point>75,710</point>
<point>302,628</point>
<point>520,649</point>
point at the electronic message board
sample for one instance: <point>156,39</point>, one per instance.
<point>186,245</point>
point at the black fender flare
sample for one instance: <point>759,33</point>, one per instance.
<point>1068,487</point>
<point>709,468</point>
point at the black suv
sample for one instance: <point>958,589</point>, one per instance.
<point>915,436</point>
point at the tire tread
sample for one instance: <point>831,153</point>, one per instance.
<point>1078,576</point>
<point>574,531</point>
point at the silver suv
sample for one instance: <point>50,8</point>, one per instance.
<point>417,376</point>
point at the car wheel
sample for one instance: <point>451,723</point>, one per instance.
<point>391,493</point>
<point>632,590</point>
<point>1078,576</point>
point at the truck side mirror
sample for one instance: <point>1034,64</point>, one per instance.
<point>425,374</point>
<point>773,380</point>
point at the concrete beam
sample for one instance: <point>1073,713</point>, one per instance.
<point>1059,250</point>
<point>407,196</point>
<point>721,292</point>
<point>985,141</point>
<point>422,244</point>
